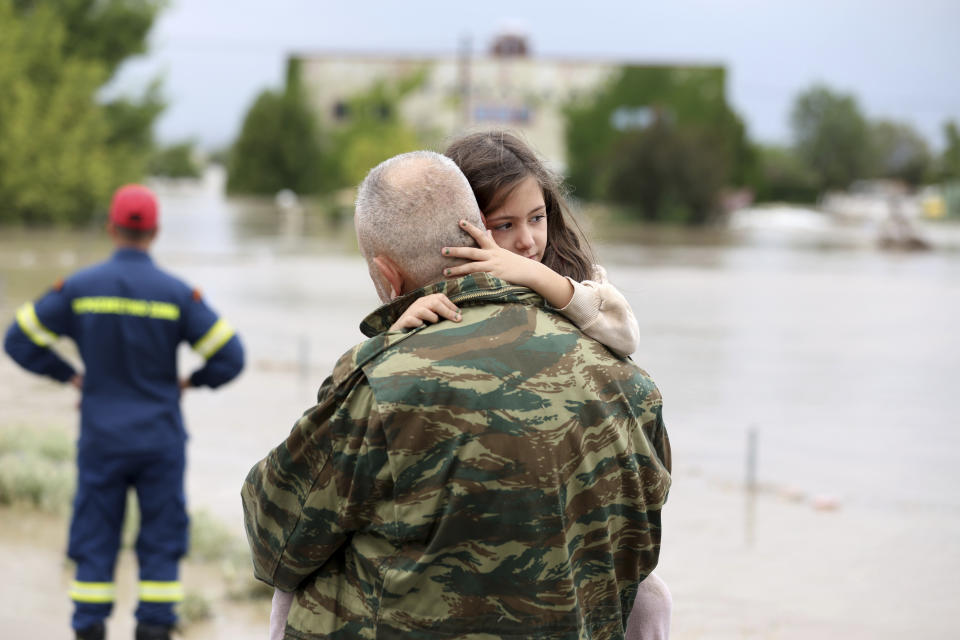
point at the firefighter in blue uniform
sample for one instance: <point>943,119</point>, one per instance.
<point>127,318</point>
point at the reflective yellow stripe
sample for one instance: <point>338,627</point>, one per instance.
<point>98,592</point>
<point>127,307</point>
<point>161,591</point>
<point>212,340</point>
<point>31,325</point>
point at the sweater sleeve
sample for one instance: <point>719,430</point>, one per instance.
<point>601,312</point>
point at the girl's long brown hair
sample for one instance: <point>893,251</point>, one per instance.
<point>495,162</point>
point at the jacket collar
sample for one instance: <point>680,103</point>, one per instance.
<point>129,253</point>
<point>475,288</point>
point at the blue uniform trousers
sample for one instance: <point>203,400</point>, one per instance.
<point>95,531</point>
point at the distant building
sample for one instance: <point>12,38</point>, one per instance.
<point>505,88</point>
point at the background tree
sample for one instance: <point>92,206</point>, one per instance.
<point>666,173</point>
<point>831,136</point>
<point>949,165</point>
<point>63,150</point>
<point>174,161</point>
<point>898,151</point>
<point>278,147</point>
<point>104,31</point>
<point>282,145</point>
<point>681,107</point>
<point>783,177</point>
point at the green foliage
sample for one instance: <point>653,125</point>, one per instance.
<point>949,165</point>
<point>683,108</point>
<point>783,177</point>
<point>174,161</point>
<point>210,540</point>
<point>373,130</point>
<point>282,146</point>
<point>49,444</point>
<point>63,152</point>
<point>36,469</point>
<point>898,151</point>
<point>104,31</point>
<point>279,147</point>
<point>831,136</point>
<point>194,608</point>
<point>665,173</point>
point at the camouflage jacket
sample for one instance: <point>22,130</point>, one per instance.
<point>500,477</point>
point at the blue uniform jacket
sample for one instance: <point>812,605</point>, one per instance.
<point>127,318</point>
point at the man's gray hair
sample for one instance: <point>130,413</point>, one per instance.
<point>409,208</point>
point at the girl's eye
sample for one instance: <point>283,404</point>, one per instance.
<point>502,227</point>
<point>540,217</point>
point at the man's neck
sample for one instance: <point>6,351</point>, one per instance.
<point>130,244</point>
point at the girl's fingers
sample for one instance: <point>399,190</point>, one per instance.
<point>447,312</point>
<point>464,269</point>
<point>449,307</point>
<point>427,310</point>
<point>406,322</point>
<point>427,316</point>
<point>431,307</point>
<point>467,253</point>
<point>482,236</point>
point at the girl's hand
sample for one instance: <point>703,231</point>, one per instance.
<point>509,266</point>
<point>427,310</point>
<point>491,258</point>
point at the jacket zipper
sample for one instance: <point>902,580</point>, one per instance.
<point>476,295</point>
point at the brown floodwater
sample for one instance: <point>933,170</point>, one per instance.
<point>841,359</point>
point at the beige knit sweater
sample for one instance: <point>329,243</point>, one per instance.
<point>601,312</point>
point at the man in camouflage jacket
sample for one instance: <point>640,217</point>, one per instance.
<point>500,477</point>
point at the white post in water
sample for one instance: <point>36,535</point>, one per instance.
<point>751,485</point>
<point>752,459</point>
<point>304,357</point>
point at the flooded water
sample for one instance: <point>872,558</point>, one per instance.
<point>844,361</point>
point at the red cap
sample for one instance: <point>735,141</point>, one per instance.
<point>134,207</point>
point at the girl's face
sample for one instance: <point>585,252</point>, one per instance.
<point>520,223</point>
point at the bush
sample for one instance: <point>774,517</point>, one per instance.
<point>210,540</point>
<point>175,161</point>
<point>784,177</point>
<point>278,147</point>
<point>36,469</point>
<point>194,608</point>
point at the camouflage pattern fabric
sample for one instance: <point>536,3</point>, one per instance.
<point>500,477</point>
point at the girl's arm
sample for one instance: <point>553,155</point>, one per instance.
<point>427,310</point>
<point>601,312</point>
<point>506,265</point>
<point>554,288</point>
<point>595,306</point>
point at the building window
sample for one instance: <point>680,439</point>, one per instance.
<point>341,110</point>
<point>501,113</point>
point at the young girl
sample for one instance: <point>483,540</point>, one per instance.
<point>533,241</point>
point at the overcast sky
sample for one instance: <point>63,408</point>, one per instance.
<point>900,58</point>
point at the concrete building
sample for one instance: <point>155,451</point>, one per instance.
<point>504,88</point>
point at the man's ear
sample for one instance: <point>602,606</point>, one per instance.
<point>391,273</point>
